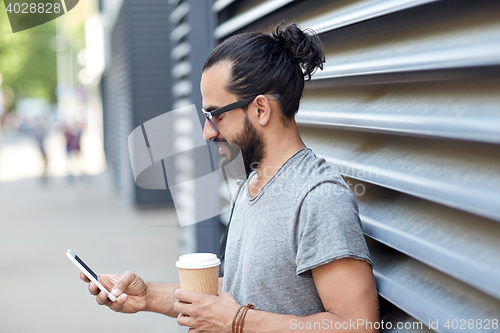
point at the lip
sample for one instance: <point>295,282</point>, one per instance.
<point>223,149</point>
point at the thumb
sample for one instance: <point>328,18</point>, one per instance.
<point>123,283</point>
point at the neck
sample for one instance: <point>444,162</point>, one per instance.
<point>280,146</point>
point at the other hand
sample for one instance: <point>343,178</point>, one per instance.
<point>205,313</point>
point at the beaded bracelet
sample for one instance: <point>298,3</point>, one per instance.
<point>237,326</point>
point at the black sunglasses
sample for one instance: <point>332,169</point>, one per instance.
<point>233,106</point>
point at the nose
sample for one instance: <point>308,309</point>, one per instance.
<point>208,132</point>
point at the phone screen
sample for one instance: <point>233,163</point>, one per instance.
<point>86,267</point>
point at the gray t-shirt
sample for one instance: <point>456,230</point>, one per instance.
<point>304,217</point>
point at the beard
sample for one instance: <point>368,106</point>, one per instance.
<point>251,145</point>
<point>249,142</point>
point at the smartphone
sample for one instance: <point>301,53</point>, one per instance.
<point>88,273</point>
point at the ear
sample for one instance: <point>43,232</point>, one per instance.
<point>263,110</point>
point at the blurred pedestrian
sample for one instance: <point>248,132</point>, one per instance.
<point>72,134</point>
<point>39,128</point>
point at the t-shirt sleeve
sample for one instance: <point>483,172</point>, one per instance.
<point>328,228</point>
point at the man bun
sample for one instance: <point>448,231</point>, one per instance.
<point>274,63</point>
<point>303,45</point>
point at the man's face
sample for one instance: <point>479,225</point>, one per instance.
<point>234,127</point>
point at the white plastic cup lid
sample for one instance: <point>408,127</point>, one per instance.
<point>197,261</point>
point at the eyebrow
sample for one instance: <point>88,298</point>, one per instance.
<point>211,108</point>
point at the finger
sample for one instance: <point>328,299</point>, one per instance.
<point>83,277</point>
<point>93,289</point>
<point>182,308</point>
<point>105,283</point>
<point>183,320</point>
<point>102,299</point>
<point>116,306</point>
<point>107,280</point>
<point>188,296</point>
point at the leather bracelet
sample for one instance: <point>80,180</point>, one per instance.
<point>237,325</point>
<point>238,320</point>
<point>243,314</point>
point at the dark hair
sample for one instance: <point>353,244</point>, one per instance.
<point>271,63</point>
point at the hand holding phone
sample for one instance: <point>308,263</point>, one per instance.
<point>89,273</point>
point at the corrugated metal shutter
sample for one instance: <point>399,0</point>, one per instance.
<point>192,42</point>
<point>408,110</point>
<point>181,91</point>
<point>117,108</point>
<point>136,87</point>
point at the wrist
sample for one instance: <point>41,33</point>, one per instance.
<point>153,298</point>
<point>150,297</point>
<point>239,317</point>
<point>160,298</point>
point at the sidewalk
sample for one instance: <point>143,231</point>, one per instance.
<point>40,287</point>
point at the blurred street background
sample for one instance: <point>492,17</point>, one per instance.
<point>57,192</point>
<point>42,218</point>
<point>406,108</point>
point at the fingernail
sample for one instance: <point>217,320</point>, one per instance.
<point>123,296</point>
<point>116,292</point>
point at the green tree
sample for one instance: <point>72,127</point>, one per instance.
<point>27,62</point>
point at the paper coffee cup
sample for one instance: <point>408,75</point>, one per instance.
<point>199,272</point>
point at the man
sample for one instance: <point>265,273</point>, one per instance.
<point>295,247</point>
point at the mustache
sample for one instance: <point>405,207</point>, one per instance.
<point>220,140</point>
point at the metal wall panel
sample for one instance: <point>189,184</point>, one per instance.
<point>192,42</point>
<point>117,103</point>
<point>136,88</point>
<point>408,111</point>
